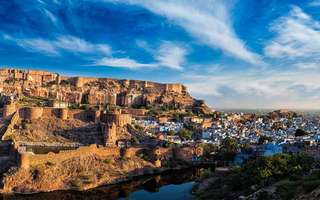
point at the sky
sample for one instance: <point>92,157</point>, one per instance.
<point>232,53</point>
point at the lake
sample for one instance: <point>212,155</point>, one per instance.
<point>175,185</point>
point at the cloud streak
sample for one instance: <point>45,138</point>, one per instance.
<point>123,63</point>
<point>269,89</point>
<point>298,37</point>
<point>169,55</point>
<point>206,20</point>
<point>63,43</point>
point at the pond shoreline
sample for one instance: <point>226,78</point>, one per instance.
<point>148,172</point>
<point>181,179</point>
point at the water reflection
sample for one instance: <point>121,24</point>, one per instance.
<point>170,185</point>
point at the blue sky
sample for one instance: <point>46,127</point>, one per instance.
<point>232,53</point>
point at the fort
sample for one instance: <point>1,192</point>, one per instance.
<point>27,159</point>
<point>92,91</point>
<point>50,122</point>
<point>110,122</point>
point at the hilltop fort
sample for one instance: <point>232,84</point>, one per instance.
<point>92,91</point>
<point>56,129</point>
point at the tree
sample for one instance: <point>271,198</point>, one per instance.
<point>229,149</point>
<point>208,149</point>
<point>135,141</point>
<point>185,134</point>
<point>177,117</point>
<point>171,132</point>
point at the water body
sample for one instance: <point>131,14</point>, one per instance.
<point>173,185</point>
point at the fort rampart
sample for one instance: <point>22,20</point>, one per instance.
<point>29,159</point>
<point>43,77</point>
<point>33,113</point>
<point>14,119</point>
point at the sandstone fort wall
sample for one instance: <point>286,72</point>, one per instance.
<point>33,113</point>
<point>28,159</point>
<point>41,77</point>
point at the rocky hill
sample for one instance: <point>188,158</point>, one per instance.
<point>16,83</point>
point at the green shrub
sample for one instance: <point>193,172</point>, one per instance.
<point>108,160</point>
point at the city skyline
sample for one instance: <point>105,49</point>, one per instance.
<point>234,54</point>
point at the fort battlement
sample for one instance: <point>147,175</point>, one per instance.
<point>117,117</point>
<point>42,77</point>
<point>28,159</point>
<point>33,113</point>
<point>155,155</point>
<point>91,90</point>
<point>36,76</point>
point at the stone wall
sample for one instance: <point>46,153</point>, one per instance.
<point>118,118</point>
<point>33,113</point>
<point>28,159</point>
<point>110,134</point>
<point>93,91</point>
<point>81,81</point>
<point>83,115</point>
<point>35,76</point>
<point>14,119</point>
<point>135,112</point>
<point>178,88</point>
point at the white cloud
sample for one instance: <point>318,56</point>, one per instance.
<point>38,45</point>
<point>171,55</point>
<point>307,65</point>
<point>315,3</point>
<point>273,89</point>
<point>63,43</point>
<point>75,44</point>
<point>206,20</point>
<point>123,63</point>
<point>51,16</point>
<point>298,36</point>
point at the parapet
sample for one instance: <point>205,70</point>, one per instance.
<point>81,81</point>
<point>25,160</point>
<point>119,119</point>
<point>175,87</point>
<point>28,113</point>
